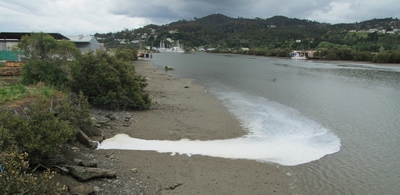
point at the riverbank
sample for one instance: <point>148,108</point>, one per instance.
<point>182,110</point>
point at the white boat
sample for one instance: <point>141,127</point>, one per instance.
<point>298,55</point>
<point>177,49</point>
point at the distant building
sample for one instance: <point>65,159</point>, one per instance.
<point>85,43</point>
<point>372,30</point>
<point>8,40</point>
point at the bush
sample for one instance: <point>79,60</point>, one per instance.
<point>35,71</point>
<point>126,54</point>
<point>38,131</point>
<point>272,52</point>
<point>108,82</point>
<point>16,180</point>
<point>392,56</point>
<point>48,60</point>
<point>283,52</point>
<point>363,56</point>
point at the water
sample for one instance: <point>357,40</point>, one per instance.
<point>336,125</point>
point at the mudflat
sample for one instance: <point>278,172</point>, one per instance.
<point>181,110</point>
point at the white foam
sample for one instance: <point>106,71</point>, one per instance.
<point>277,134</point>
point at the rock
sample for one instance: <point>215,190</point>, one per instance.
<point>103,122</point>
<point>86,173</point>
<point>127,124</point>
<point>168,68</point>
<point>134,170</point>
<point>92,163</point>
<point>77,161</point>
<point>109,116</point>
<point>173,186</point>
<point>75,149</point>
<point>81,189</point>
<point>96,189</point>
<point>92,131</point>
<point>186,86</point>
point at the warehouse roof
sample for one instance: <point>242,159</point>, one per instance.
<point>18,35</point>
<point>84,39</point>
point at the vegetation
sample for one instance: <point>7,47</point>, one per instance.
<point>13,92</point>
<point>110,82</point>
<point>107,81</point>
<point>36,119</point>
<point>16,178</point>
<point>128,54</point>
<point>48,59</point>
<point>264,36</point>
<point>42,122</point>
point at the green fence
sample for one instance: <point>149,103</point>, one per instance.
<point>8,56</point>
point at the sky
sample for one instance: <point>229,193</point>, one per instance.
<point>87,17</point>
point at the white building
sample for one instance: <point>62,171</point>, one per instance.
<point>85,43</point>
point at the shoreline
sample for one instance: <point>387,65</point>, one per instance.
<point>325,61</point>
<point>181,110</point>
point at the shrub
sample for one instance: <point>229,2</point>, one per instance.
<point>108,82</point>
<point>392,56</point>
<point>283,52</point>
<point>48,60</point>
<point>363,56</point>
<point>35,71</point>
<point>16,180</point>
<point>37,131</point>
<point>126,54</point>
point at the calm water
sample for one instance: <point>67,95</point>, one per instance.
<point>342,119</point>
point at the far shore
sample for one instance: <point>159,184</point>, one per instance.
<point>324,60</point>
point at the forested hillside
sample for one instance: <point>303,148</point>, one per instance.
<point>228,34</point>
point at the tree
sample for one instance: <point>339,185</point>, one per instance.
<point>126,53</point>
<point>48,60</point>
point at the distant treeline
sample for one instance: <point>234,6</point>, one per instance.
<point>272,36</point>
<point>392,56</point>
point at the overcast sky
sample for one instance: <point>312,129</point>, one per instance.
<point>86,17</point>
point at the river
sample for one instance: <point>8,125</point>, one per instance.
<point>334,125</point>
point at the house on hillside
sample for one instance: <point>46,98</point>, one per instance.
<point>86,43</point>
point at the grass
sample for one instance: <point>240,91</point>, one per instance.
<point>360,34</point>
<point>18,92</point>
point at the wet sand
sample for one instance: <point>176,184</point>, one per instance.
<point>183,110</point>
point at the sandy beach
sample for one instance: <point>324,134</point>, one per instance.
<point>183,110</point>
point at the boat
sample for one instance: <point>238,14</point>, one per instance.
<point>177,49</point>
<point>298,55</point>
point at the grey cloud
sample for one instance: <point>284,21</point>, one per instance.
<point>180,9</point>
<point>106,15</point>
